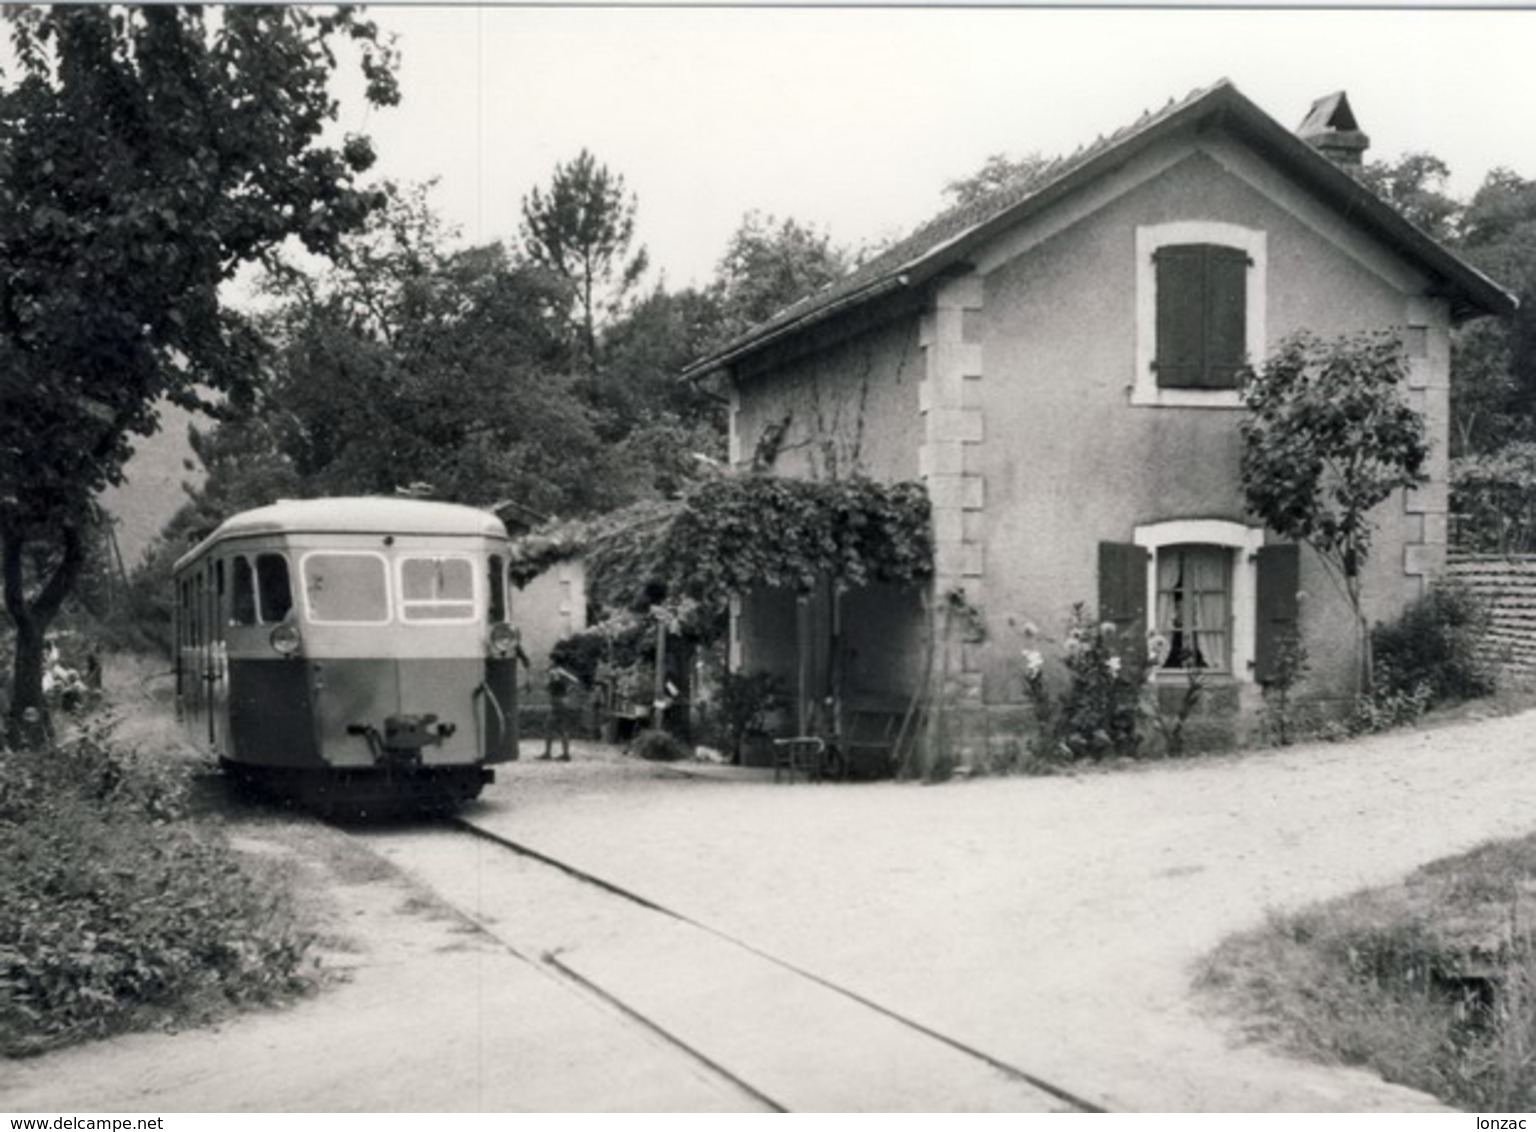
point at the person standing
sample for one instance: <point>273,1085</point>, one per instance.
<point>561,687</point>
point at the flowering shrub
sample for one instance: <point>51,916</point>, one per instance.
<point>1111,705</point>
<point>1099,712</point>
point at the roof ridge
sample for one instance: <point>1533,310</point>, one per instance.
<point>928,248</point>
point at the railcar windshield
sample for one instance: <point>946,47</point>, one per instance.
<point>437,588</point>
<point>346,588</point>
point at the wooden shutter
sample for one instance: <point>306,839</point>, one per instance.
<point>1226,315</point>
<point>1278,612</point>
<point>1123,585</point>
<point>1180,315</point>
<point>1202,308</point>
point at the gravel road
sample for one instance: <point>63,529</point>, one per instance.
<point>1055,923</point>
<point>1052,923</point>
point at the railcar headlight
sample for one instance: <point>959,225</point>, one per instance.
<point>504,640</point>
<point>285,639</point>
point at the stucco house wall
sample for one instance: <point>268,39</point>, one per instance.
<point>1004,355</point>
<point>548,609</point>
<point>849,409</point>
<point>1069,461</point>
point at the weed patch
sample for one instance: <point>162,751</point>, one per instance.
<point>1431,983</point>
<point>118,909</point>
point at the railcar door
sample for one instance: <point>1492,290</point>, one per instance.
<point>218,659</point>
<point>207,651</point>
<point>441,650</point>
<point>504,654</point>
<point>271,717</point>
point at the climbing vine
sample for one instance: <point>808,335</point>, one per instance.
<point>737,533</point>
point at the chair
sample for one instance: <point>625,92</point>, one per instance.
<point>868,741</point>
<point>803,753</point>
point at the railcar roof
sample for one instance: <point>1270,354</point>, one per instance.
<point>355,515</point>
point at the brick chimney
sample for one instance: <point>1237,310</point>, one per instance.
<point>1331,129</point>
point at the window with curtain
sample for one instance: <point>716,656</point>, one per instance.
<point>1194,606</point>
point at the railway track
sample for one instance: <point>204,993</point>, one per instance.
<point>771,1034</point>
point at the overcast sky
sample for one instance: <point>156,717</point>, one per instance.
<point>854,119</point>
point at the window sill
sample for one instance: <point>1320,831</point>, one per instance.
<point>1154,397</point>
<point>1176,678</point>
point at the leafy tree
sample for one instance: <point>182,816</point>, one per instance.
<point>146,153</point>
<point>1415,185</point>
<point>1486,404</point>
<point>412,365</point>
<point>1327,437</point>
<point>1493,496</point>
<point>998,172</point>
<point>1499,236</point>
<point>768,265</point>
<point>1502,210</point>
<point>581,228</point>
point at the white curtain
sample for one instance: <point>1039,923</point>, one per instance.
<point>1192,604</point>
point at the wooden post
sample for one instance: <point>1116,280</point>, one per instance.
<point>802,664</point>
<point>659,689</point>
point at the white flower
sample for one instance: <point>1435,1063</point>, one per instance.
<point>1107,629</point>
<point>1033,662</point>
<point>1030,629</point>
<point>1157,647</point>
<point>1113,664</point>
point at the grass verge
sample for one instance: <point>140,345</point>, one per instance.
<point>1430,983</point>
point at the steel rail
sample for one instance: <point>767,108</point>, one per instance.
<point>1082,1104</point>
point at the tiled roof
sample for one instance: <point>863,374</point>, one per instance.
<point>945,240</point>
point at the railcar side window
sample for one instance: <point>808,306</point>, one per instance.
<point>268,582</point>
<point>497,576</point>
<point>345,588</point>
<point>242,606</point>
<point>273,585</point>
<point>437,589</point>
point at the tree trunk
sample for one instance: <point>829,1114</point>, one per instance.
<point>27,720</point>
<point>1363,635</point>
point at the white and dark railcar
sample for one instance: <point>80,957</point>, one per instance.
<point>355,651</point>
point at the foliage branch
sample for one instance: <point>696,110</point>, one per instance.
<point>1327,438</point>
<point>735,533</point>
<point>146,154</point>
<point>1493,496</point>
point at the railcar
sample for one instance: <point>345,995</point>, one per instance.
<point>358,652</point>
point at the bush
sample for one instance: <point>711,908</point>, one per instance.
<point>1100,711</point>
<point>1434,646</point>
<point>746,698</point>
<point>580,654</point>
<point>658,746</point>
<point>117,910</point>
